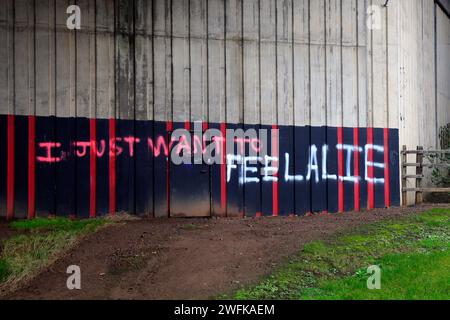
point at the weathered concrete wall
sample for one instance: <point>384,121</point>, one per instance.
<point>443,63</point>
<point>273,62</point>
<point>267,62</point>
<point>285,63</point>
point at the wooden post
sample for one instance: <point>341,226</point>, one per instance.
<point>404,180</point>
<point>419,173</point>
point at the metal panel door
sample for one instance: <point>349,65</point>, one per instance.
<point>190,184</point>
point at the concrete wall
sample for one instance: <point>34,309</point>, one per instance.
<point>290,63</point>
<point>267,58</point>
<point>443,63</point>
<point>268,62</point>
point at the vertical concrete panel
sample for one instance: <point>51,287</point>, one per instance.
<point>199,60</point>
<point>401,78</point>
<point>418,66</point>
<point>285,63</point>
<point>144,59</point>
<point>302,96</point>
<point>318,63</point>
<point>125,60</point>
<point>379,75</point>
<point>24,57</point>
<point>362,63</point>
<point>252,103</point>
<point>181,61</point>
<point>65,51</point>
<point>443,67</point>
<point>416,69</point>
<point>427,118</point>
<point>6,55</point>
<point>105,64</point>
<point>85,67</point>
<point>9,48</point>
<point>349,64</point>
<point>409,47</point>
<point>393,12</point>
<point>216,60</point>
<point>269,115</point>
<point>162,60</point>
<point>333,63</point>
<point>411,27</point>
<point>45,58</point>
<point>234,77</point>
<point>61,69</point>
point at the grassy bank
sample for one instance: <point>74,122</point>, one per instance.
<point>38,242</point>
<point>413,254</point>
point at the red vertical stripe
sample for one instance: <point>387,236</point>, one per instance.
<point>112,166</point>
<point>370,171</point>
<point>169,129</point>
<point>340,139</point>
<point>187,125</point>
<point>169,126</point>
<point>356,169</point>
<point>275,187</point>
<point>31,167</point>
<point>387,185</point>
<point>93,168</point>
<point>10,172</point>
<point>223,169</point>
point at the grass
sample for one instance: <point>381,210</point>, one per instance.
<point>404,277</point>
<point>38,243</point>
<point>57,224</point>
<point>413,254</point>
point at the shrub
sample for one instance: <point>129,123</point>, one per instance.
<point>441,176</point>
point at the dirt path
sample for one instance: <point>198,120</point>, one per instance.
<point>187,259</point>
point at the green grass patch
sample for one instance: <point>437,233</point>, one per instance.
<point>57,224</point>
<point>40,242</point>
<point>413,253</point>
<point>415,276</point>
<point>4,270</point>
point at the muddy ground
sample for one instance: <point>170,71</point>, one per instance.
<point>188,259</point>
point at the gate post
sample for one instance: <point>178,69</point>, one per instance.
<point>404,180</point>
<point>419,175</point>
